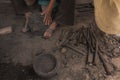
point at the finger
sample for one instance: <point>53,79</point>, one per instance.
<point>44,21</point>
<point>47,21</point>
<point>43,13</point>
<point>50,21</point>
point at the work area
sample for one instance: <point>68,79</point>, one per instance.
<point>83,51</point>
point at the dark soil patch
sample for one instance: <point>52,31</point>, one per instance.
<point>12,72</point>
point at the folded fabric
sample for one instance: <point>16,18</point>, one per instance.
<point>107,15</point>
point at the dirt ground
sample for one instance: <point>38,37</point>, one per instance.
<point>18,49</point>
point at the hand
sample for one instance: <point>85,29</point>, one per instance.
<point>47,16</point>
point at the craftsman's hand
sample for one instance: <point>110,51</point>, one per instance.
<point>47,16</point>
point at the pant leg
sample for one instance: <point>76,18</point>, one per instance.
<point>43,8</point>
<point>65,13</point>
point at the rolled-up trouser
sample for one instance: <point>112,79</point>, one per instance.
<point>65,12</point>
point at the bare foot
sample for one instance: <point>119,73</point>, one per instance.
<point>48,33</point>
<point>24,30</point>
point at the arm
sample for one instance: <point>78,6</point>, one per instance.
<point>51,5</point>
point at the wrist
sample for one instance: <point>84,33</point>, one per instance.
<point>49,10</point>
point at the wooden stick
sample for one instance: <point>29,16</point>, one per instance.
<point>96,57</point>
<point>108,68</point>
<point>75,49</point>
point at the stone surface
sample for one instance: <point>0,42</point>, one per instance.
<point>116,62</point>
<point>114,77</point>
<point>117,50</point>
<point>20,48</point>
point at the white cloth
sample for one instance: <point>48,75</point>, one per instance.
<point>107,15</point>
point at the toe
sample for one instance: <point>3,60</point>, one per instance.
<point>24,30</point>
<point>47,35</point>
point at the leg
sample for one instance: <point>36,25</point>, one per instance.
<point>25,29</point>
<point>27,15</point>
<point>65,16</point>
<point>49,31</point>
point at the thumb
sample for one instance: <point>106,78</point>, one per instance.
<point>43,13</point>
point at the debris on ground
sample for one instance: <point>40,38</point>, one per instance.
<point>96,46</point>
<point>18,50</point>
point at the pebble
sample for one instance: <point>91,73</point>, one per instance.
<point>116,62</point>
<point>63,50</point>
<point>116,50</point>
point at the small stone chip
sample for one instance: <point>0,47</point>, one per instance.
<point>117,50</point>
<point>63,50</point>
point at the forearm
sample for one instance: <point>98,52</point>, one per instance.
<point>51,5</point>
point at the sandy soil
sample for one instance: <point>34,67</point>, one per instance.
<point>18,49</point>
